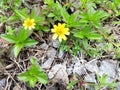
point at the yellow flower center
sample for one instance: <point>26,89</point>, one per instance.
<point>29,23</point>
<point>59,32</point>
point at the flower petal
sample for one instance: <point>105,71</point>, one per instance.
<point>32,20</point>
<point>33,27</point>
<point>55,26</point>
<point>64,37</point>
<point>53,30</point>
<point>30,28</point>
<point>63,25</point>
<point>59,24</point>
<point>60,39</point>
<point>54,36</point>
<point>25,27</point>
<point>67,33</point>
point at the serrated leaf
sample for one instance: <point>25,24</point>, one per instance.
<point>32,81</point>
<point>42,78</point>
<point>22,76</point>
<point>34,74</point>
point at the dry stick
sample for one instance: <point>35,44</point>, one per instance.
<point>9,85</point>
<point>7,82</point>
<point>19,66</point>
<point>38,37</point>
<point>9,76</point>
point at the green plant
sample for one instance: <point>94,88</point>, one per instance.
<point>102,82</point>
<point>88,33</point>
<point>71,85</point>
<point>22,15</point>
<point>85,22</point>
<point>19,39</point>
<point>34,74</point>
<point>93,17</point>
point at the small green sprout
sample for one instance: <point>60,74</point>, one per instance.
<point>34,74</point>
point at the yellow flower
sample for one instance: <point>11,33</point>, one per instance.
<point>29,24</point>
<point>60,31</point>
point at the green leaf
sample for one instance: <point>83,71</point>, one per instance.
<point>94,36</point>
<point>33,60</point>
<point>83,32</point>
<point>79,35</point>
<point>96,23</point>
<point>100,15</point>
<point>72,21</point>
<point>42,78</point>
<point>39,19</point>
<point>23,34</point>
<point>10,38</point>
<point>29,42</point>
<point>32,81</point>
<point>45,29</point>
<point>21,13</point>
<point>64,13</point>
<point>49,2</point>
<point>12,18</point>
<point>71,85</point>
<point>17,48</point>
<point>23,77</point>
<point>116,22</point>
<point>51,15</point>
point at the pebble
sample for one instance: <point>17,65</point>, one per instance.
<point>58,72</point>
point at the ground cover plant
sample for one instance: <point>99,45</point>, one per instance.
<point>71,27</point>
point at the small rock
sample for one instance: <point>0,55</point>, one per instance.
<point>56,44</point>
<point>119,72</point>
<point>58,72</point>
<point>52,88</point>
<point>90,78</point>
<point>51,53</point>
<point>47,64</point>
<point>108,67</point>
<point>44,46</point>
<point>79,69</point>
<point>16,88</point>
<point>70,70</point>
<point>61,54</point>
<point>92,66</point>
<point>2,83</point>
<point>118,86</point>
